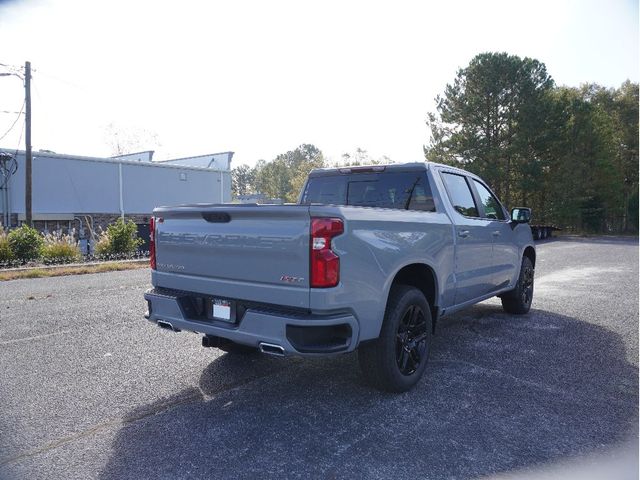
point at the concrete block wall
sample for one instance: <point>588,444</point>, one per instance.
<point>100,222</point>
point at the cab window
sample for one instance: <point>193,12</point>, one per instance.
<point>460,194</point>
<point>490,204</point>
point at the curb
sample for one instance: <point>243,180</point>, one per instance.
<point>71,265</point>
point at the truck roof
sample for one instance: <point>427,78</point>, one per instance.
<point>383,167</point>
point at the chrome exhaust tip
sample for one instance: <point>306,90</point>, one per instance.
<point>167,326</point>
<point>271,349</point>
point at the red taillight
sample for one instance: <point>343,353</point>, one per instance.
<point>325,264</point>
<point>152,243</point>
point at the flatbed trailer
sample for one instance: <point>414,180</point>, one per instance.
<point>540,232</point>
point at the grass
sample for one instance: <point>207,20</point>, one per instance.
<point>74,270</point>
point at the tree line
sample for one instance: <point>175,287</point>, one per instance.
<point>569,153</point>
<point>283,177</point>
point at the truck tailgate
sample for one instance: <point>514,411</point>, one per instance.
<point>257,252</point>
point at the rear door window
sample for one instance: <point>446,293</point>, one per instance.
<point>460,194</point>
<point>399,190</point>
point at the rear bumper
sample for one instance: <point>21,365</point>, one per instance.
<point>298,333</point>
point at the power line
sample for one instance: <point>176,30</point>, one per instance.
<point>13,69</point>
<point>42,73</point>
<point>16,68</point>
<point>10,167</point>
<point>14,122</point>
<point>20,139</point>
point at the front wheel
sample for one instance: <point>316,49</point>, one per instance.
<point>396,360</point>
<point>518,300</point>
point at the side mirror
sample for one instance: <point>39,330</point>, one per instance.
<point>521,215</point>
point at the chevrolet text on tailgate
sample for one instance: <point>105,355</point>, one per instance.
<point>370,258</point>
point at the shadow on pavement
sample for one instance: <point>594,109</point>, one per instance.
<point>501,393</point>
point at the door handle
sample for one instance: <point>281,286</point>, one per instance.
<point>496,233</point>
<point>464,233</point>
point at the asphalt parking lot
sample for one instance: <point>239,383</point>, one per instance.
<point>89,389</point>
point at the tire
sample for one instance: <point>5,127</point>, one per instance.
<point>397,359</point>
<point>518,301</point>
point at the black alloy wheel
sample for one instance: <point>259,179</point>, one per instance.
<point>526,290</point>
<point>411,340</point>
<point>518,300</point>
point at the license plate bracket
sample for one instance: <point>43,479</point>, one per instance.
<point>223,310</point>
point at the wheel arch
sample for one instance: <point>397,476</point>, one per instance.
<point>423,277</point>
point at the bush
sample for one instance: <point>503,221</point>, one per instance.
<point>60,248</point>
<point>102,246</point>
<point>121,238</point>
<point>25,243</point>
<point>6,255</point>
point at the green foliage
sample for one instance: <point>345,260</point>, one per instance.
<point>102,246</point>
<point>242,180</point>
<point>488,118</point>
<point>358,158</point>
<point>25,243</point>
<point>121,238</point>
<point>60,248</point>
<point>6,255</point>
<point>284,176</point>
<point>569,153</point>
<point>632,211</point>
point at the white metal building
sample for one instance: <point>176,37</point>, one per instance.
<point>67,186</point>
<point>220,161</point>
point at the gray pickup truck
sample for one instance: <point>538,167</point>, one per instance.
<point>369,258</point>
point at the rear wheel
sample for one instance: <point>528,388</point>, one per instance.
<point>396,360</point>
<point>518,300</point>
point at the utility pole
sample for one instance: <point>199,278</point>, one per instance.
<point>27,137</point>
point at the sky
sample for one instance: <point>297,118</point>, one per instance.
<point>260,78</point>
